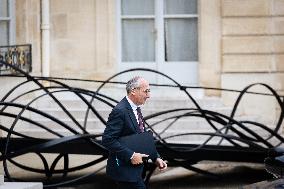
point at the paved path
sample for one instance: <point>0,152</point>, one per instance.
<point>230,176</point>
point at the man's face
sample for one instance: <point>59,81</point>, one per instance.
<point>141,93</point>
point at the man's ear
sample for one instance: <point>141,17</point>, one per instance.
<point>133,92</point>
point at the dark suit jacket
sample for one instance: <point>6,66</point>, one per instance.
<point>121,122</point>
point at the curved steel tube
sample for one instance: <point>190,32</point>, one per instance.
<point>16,109</point>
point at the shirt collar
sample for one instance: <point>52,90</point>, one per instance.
<point>133,106</point>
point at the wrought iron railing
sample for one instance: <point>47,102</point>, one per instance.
<point>19,56</point>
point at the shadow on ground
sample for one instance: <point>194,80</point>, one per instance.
<point>229,176</point>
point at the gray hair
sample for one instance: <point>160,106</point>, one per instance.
<point>133,83</point>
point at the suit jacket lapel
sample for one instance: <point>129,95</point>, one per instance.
<point>132,116</point>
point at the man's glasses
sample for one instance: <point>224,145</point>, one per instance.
<point>145,91</point>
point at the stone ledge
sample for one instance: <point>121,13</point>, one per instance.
<point>21,185</point>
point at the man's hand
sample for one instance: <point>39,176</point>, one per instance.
<point>161,164</point>
<point>137,158</point>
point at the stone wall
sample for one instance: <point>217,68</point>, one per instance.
<point>82,38</point>
<point>252,39</point>
<point>28,29</point>
<point>240,41</point>
<point>253,49</point>
<point>210,45</point>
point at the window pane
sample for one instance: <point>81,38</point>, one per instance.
<point>4,8</point>
<point>137,7</point>
<point>4,33</point>
<point>181,39</point>
<point>180,7</point>
<point>138,40</point>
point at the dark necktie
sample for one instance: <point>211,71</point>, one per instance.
<point>140,119</point>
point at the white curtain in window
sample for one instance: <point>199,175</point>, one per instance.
<point>4,8</point>
<point>4,24</point>
<point>4,35</point>
<point>181,39</point>
<point>137,7</point>
<point>138,40</point>
<point>180,7</point>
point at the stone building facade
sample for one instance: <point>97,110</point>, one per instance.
<point>239,41</point>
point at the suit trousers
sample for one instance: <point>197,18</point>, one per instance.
<point>131,185</point>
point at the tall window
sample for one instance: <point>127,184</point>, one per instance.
<point>180,29</point>
<point>174,22</point>
<point>137,25</point>
<point>7,22</point>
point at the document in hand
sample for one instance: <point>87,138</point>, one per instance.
<point>141,143</point>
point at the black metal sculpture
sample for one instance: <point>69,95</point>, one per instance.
<point>236,140</point>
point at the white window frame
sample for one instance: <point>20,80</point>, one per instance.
<point>11,19</point>
<point>160,63</point>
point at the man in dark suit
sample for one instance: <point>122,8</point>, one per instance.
<point>124,165</point>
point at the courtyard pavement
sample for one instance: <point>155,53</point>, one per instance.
<point>230,176</point>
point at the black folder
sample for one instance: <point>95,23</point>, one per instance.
<point>141,143</point>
